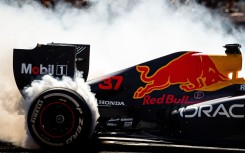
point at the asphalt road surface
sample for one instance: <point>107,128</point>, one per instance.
<point>122,145</point>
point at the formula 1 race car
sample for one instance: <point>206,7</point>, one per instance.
<point>184,97</point>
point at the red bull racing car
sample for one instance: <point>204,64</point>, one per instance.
<point>185,97</point>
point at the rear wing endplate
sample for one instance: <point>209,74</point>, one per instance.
<point>56,59</point>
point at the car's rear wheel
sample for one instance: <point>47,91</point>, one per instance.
<point>60,117</point>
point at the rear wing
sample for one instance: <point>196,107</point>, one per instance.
<point>56,59</point>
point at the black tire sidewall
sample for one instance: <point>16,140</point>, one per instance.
<point>79,133</point>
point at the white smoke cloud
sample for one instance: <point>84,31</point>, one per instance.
<point>121,33</point>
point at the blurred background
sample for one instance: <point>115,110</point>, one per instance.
<point>233,9</point>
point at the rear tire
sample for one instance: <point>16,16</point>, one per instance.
<point>60,117</point>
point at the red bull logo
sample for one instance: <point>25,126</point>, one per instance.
<point>190,71</point>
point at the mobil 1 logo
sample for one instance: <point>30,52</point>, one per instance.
<point>43,69</point>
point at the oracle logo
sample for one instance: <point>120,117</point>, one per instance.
<point>233,111</point>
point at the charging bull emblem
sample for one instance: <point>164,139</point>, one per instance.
<point>191,72</point>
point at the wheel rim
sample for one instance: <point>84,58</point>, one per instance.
<point>57,119</point>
